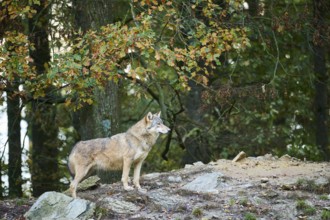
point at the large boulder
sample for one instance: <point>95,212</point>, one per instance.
<point>54,205</point>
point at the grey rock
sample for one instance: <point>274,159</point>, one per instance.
<point>165,200</point>
<point>198,163</point>
<point>206,183</point>
<point>322,181</point>
<point>264,180</point>
<point>88,183</point>
<point>287,211</point>
<point>120,207</point>
<point>267,157</point>
<point>54,205</point>
<point>213,163</point>
<point>174,179</point>
<point>187,166</point>
<point>151,176</point>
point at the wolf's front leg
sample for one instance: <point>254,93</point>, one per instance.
<point>126,167</point>
<point>136,178</point>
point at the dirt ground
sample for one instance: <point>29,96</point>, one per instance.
<point>283,170</point>
<point>14,208</point>
<point>277,171</point>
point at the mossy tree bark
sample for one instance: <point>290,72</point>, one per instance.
<point>42,125</point>
<point>101,118</point>
<point>321,78</point>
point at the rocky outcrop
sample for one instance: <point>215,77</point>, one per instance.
<point>265,187</point>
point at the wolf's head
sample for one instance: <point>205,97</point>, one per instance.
<point>155,123</point>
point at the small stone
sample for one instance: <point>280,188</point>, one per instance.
<point>285,157</point>
<point>187,166</point>
<point>263,185</point>
<point>269,157</point>
<point>295,164</point>
<point>142,191</point>
<point>213,163</point>
<point>151,176</point>
<point>287,187</point>
<point>264,180</point>
<point>174,179</point>
<point>159,183</point>
<point>239,156</point>
<point>271,194</point>
<point>198,163</point>
<point>89,183</point>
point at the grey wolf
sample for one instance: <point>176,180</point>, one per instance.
<point>117,152</point>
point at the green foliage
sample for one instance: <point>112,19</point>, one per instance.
<point>100,211</point>
<point>98,56</point>
<point>264,101</point>
<point>249,216</point>
<point>232,202</point>
<point>306,184</point>
<point>244,202</point>
<point>15,59</point>
<point>311,186</point>
<point>325,215</point>
<point>197,212</point>
<point>324,197</point>
<point>305,208</point>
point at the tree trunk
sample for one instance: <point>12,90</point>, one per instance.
<point>7,23</point>
<point>321,79</point>
<point>101,118</point>
<point>14,143</point>
<point>253,7</point>
<point>44,151</point>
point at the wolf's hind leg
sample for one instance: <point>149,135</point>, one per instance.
<point>81,172</point>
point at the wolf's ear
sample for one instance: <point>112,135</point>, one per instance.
<point>158,114</point>
<point>149,117</point>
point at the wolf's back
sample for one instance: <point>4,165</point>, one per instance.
<point>83,150</point>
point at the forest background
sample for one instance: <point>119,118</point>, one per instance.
<point>227,75</point>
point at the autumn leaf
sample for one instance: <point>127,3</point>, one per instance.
<point>157,55</point>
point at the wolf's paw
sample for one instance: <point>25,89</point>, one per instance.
<point>128,188</point>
